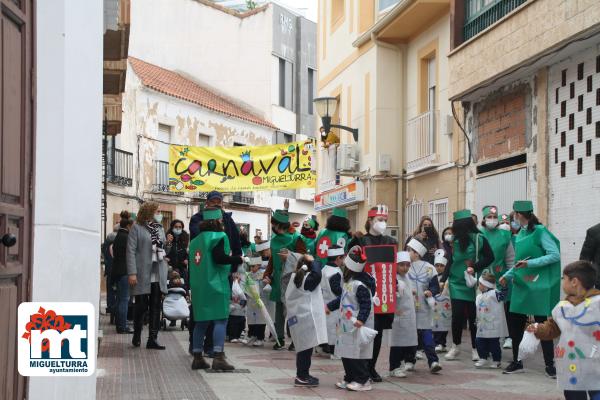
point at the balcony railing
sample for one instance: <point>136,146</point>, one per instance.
<point>480,14</point>
<point>161,176</point>
<point>120,168</point>
<point>242,197</point>
<point>421,141</point>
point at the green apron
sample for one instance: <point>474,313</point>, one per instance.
<point>310,244</point>
<point>279,242</point>
<point>327,238</point>
<point>209,281</point>
<point>458,286</point>
<point>535,290</point>
<point>499,241</point>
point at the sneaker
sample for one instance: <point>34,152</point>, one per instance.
<point>398,373</point>
<point>440,348</point>
<point>235,341</point>
<point>258,343</point>
<point>342,385</point>
<point>495,365</point>
<point>277,346</point>
<point>551,372</point>
<point>514,367</point>
<point>420,355</point>
<point>306,382</point>
<point>357,387</point>
<point>474,355</point>
<point>507,343</point>
<point>481,364</point>
<point>334,357</point>
<point>409,366</point>
<point>453,353</point>
<point>435,367</point>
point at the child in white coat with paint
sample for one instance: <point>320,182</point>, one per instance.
<point>424,282</point>
<point>403,338</point>
<point>491,321</point>
<point>356,311</point>
<point>254,316</point>
<point>331,284</point>
<point>305,317</point>
<point>442,311</point>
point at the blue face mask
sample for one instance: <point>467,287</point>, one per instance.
<point>515,225</point>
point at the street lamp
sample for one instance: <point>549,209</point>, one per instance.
<point>326,107</point>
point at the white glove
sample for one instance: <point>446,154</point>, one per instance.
<point>267,289</point>
<point>430,301</point>
<point>247,260</point>
<point>376,301</point>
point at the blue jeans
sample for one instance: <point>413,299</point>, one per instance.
<point>487,346</point>
<point>122,301</point>
<point>220,327</point>
<point>426,338</point>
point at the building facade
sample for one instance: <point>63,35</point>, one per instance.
<point>532,116</point>
<point>385,62</point>
<point>278,84</point>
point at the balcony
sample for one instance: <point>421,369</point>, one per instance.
<point>480,14</point>
<point>161,177</point>
<point>120,168</point>
<point>421,135</point>
<point>242,198</point>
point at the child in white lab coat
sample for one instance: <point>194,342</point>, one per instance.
<point>424,282</point>
<point>442,311</point>
<point>403,339</point>
<point>331,284</point>
<point>491,321</point>
<point>254,316</point>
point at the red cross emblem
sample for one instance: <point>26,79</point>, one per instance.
<point>323,246</point>
<point>596,334</point>
<point>197,257</point>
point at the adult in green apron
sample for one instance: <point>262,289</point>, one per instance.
<point>282,241</point>
<point>210,263</point>
<point>336,232</point>
<point>536,281</point>
<point>308,233</point>
<point>471,251</point>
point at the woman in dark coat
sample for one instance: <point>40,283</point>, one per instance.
<point>119,276</point>
<point>178,256</point>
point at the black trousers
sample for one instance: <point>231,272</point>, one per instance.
<point>582,395</point>
<point>356,370</point>
<point>516,329</point>
<point>399,354</point>
<point>463,310</point>
<point>151,303</point>
<point>440,338</point>
<point>235,326</point>
<point>382,322</point>
<point>303,361</point>
<point>257,331</point>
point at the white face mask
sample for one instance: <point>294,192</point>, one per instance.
<point>158,218</point>
<point>504,227</point>
<point>491,223</point>
<point>449,238</point>
<point>379,227</point>
<point>177,231</point>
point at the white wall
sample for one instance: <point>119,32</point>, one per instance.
<point>66,249</point>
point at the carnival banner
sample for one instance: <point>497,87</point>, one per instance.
<point>241,168</point>
<point>381,264</point>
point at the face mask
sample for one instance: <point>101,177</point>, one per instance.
<point>379,227</point>
<point>491,223</point>
<point>449,238</point>
<point>504,227</point>
<point>158,218</point>
<point>429,231</point>
<point>515,225</point>
<point>177,232</point>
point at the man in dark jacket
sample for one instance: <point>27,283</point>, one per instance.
<point>590,251</point>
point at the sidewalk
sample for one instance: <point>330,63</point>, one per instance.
<point>137,373</point>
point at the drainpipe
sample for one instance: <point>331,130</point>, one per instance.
<point>402,185</point>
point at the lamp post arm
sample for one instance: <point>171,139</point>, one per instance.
<point>354,131</point>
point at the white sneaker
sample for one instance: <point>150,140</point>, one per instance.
<point>507,343</point>
<point>398,373</point>
<point>453,353</point>
<point>474,355</point>
<point>357,387</point>
<point>420,355</point>
<point>342,385</point>
<point>334,357</point>
<point>249,341</point>
<point>258,343</point>
<point>495,365</point>
<point>409,366</point>
<point>440,349</point>
<point>435,367</point>
<point>481,364</point>
<point>235,341</point>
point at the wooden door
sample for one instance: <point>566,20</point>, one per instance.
<point>16,160</point>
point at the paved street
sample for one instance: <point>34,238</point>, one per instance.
<point>130,373</point>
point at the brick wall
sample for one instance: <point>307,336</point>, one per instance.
<point>501,125</point>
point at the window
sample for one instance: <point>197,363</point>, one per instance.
<point>203,140</point>
<point>438,212</point>
<point>167,218</point>
<point>161,160</point>
<point>480,14</point>
<point>285,83</point>
<point>164,138</point>
<point>383,5</point>
<point>412,216</point>
<point>311,90</point>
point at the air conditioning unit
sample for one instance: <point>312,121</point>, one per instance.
<point>446,125</point>
<point>347,158</point>
<point>393,231</point>
<point>384,163</point>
